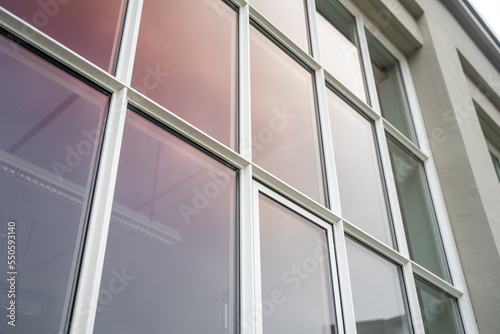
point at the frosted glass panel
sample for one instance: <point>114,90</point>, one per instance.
<point>340,56</point>
<point>284,125</point>
<point>362,194</point>
<point>377,292</point>
<point>296,274</point>
<point>289,16</point>
<point>186,62</point>
<point>92,28</point>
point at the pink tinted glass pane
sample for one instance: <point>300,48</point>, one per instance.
<point>186,61</point>
<point>296,274</point>
<point>340,57</point>
<point>360,182</point>
<point>50,126</point>
<point>92,28</point>
<point>289,16</point>
<point>284,128</point>
<point>172,235</point>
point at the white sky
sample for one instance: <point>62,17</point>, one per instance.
<point>490,11</point>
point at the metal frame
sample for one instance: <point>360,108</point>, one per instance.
<point>252,178</point>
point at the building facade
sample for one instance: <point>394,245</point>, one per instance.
<point>234,166</point>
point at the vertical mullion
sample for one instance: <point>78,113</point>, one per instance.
<point>97,234</point>
<point>251,290</point>
<point>413,303</point>
<point>439,205</point>
<point>244,107</point>
<point>367,65</point>
<point>128,43</point>
<point>344,279</point>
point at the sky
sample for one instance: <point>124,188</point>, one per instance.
<point>490,11</point>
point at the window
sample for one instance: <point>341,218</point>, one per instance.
<point>495,158</point>
<point>297,292</point>
<point>422,233</point>
<point>390,89</point>
<point>378,292</point>
<point>176,206</point>
<point>362,194</point>
<point>339,51</point>
<point>186,61</point>
<point>439,310</point>
<point>49,141</point>
<point>68,22</point>
<point>284,122</point>
<point>293,24</point>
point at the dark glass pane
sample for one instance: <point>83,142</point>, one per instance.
<point>284,124</point>
<point>287,15</point>
<point>390,89</point>
<point>297,292</point>
<point>439,310</point>
<point>50,124</point>
<point>377,292</point>
<point>186,61</point>
<point>92,28</point>
<point>422,234</point>
<point>358,171</point>
<point>171,239</point>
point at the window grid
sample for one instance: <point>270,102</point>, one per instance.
<point>86,302</point>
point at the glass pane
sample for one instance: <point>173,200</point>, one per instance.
<point>358,173</point>
<point>284,124</point>
<point>92,28</point>
<point>297,292</point>
<point>420,224</point>
<point>496,164</point>
<point>186,61</point>
<point>289,16</point>
<point>377,292</point>
<point>169,265</point>
<point>439,310</point>
<point>340,55</point>
<point>50,126</point>
<point>390,88</point>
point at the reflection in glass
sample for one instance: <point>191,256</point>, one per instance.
<point>171,239</point>
<point>339,53</point>
<point>422,234</point>
<point>358,173</point>
<point>439,310</point>
<point>287,15</point>
<point>390,90</point>
<point>91,28</point>
<point>186,62</point>
<point>296,275</point>
<point>284,124</point>
<point>377,292</point>
<point>50,125</point>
